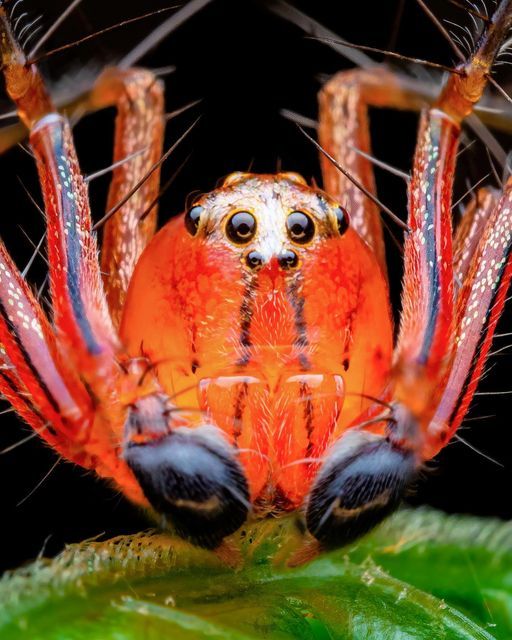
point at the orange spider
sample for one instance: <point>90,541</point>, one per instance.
<point>241,360</point>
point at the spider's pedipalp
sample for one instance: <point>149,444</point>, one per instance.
<point>194,478</point>
<point>362,481</point>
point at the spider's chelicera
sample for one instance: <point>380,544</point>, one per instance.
<point>240,361</point>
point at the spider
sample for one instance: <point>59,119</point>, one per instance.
<point>240,361</point>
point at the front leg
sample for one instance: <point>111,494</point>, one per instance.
<point>130,431</point>
<point>63,379</point>
<point>434,377</point>
<point>344,129</point>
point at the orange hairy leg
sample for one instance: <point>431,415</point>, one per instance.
<point>470,230</point>
<point>33,381</point>
<point>343,127</point>
<point>434,373</point>
<point>130,431</point>
<point>479,307</point>
<point>46,393</point>
<point>139,99</point>
<point>471,323</point>
<point>74,384</point>
<point>486,270</point>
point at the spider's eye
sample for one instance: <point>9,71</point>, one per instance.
<point>342,219</point>
<point>301,227</point>
<point>241,227</point>
<point>359,484</point>
<point>192,219</point>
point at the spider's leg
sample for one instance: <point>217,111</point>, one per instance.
<point>343,132</point>
<point>479,307</point>
<point>363,477</point>
<point>76,359</point>
<point>33,376</point>
<point>428,329</point>
<point>470,231</point>
<point>79,304</point>
<point>139,132</point>
<point>343,127</point>
<point>369,468</point>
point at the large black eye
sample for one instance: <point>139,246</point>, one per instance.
<point>192,218</point>
<point>360,483</point>
<point>300,227</point>
<point>342,219</point>
<point>241,227</point>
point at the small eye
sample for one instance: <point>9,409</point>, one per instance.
<point>342,219</point>
<point>192,218</point>
<point>301,228</point>
<point>241,227</point>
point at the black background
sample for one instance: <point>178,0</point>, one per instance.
<point>246,64</point>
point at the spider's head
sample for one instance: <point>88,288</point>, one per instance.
<point>267,220</point>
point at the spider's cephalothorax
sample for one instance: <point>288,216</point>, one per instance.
<point>268,315</point>
<point>240,361</point>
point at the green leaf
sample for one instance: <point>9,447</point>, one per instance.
<point>422,574</point>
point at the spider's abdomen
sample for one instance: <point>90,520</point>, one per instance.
<point>277,347</point>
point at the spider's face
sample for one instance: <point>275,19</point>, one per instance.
<point>267,221</point>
